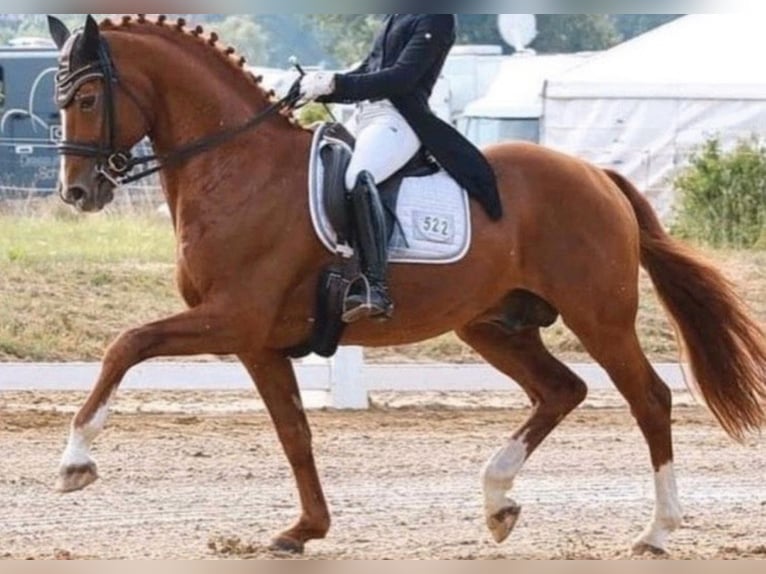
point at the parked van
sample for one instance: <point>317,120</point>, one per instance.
<point>30,123</point>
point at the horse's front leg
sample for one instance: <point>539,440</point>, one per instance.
<point>275,378</point>
<point>194,332</point>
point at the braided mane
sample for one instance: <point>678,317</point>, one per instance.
<point>198,36</point>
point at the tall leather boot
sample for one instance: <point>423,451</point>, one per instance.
<point>372,243</point>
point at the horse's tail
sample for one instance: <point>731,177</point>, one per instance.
<point>726,347</point>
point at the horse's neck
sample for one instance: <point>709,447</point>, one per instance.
<point>195,100</point>
<point>186,113</point>
<point>196,104</point>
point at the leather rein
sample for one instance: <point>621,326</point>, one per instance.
<point>116,165</point>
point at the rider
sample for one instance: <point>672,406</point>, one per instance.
<point>392,87</point>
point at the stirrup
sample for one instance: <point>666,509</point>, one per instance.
<point>360,306</point>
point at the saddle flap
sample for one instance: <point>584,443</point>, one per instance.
<point>330,156</point>
<point>335,159</point>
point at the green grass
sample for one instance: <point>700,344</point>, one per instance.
<point>70,284</point>
<point>92,239</point>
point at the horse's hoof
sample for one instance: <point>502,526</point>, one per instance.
<point>502,523</point>
<point>644,548</point>
<point>74,478</point>
<point>287,545</point>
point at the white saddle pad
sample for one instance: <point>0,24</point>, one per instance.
<point>433,212</point>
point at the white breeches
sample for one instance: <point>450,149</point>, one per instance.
<point>385,142</point>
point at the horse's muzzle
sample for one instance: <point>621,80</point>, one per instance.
<point>87,199</point>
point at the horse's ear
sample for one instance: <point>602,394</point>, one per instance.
<point>59,32</point>
<point>91,40</point>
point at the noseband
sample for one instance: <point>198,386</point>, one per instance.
<point>113,164</point>
<point>116,165</point>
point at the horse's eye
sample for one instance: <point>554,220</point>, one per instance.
<point>87,103</point>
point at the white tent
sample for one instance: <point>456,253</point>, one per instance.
<point>643,106</point>
<point>513,105</point>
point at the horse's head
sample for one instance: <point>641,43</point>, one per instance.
<point>101,120</point>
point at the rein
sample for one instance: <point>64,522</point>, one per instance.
<point>194,148</point>
<point>115,165</point>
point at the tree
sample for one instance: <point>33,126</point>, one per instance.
<point>721,199</point>
<point>478,29</point>
<point>631,25</point>
<point>286,37</point>
<point>565,32</point>
<point>37,24</point>
<point>574,33</point>
<point>346,36</point>
<point>339,40</point>
<point>245,35</point>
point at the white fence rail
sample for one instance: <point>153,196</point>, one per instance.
<point>346,379</point>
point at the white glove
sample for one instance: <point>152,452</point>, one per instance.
<point>317,84</point>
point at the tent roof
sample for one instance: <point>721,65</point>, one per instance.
<point>700,56</point>
<point>517,90</point>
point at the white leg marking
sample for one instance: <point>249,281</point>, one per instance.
<point>500,473</point>
<point>62,168</point>
<point>667,510</point>
<point>77,452</point>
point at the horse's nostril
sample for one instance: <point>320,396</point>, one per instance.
<point>76,194</point>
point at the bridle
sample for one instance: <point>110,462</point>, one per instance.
<point>116,165</point>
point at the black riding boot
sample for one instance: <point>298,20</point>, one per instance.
<point>372,243</point>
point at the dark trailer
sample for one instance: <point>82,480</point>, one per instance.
<point>30,124</point>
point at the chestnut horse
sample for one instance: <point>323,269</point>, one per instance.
<point>248,261</point>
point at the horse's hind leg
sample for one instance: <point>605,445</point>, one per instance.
<point>554,390</point>
<point>618,350</point>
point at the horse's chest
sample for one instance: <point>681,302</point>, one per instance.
<point>197,264</point>
<point>186,286</point>
<point>201,242</point>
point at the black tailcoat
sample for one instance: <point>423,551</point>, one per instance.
<point>406,60</point>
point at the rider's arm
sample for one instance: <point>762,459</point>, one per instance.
<point>432,36</point>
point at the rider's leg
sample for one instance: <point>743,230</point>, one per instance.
<point>385,143</point>
<point>371,240</point>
